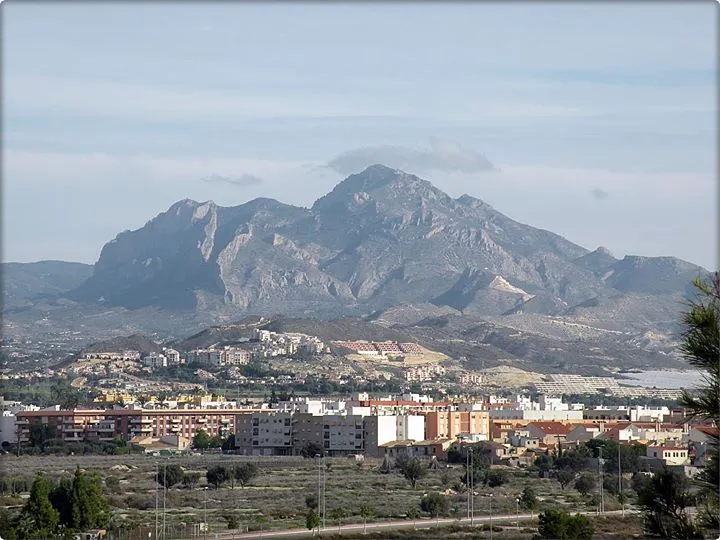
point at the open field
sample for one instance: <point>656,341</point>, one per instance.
<point>275,499</point>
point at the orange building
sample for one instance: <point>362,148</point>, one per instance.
<point>450,424</point>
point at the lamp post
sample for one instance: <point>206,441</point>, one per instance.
<point>491,525</point>
<point>517,513</point>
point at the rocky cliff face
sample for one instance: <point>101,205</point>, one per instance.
<point>380,238</point>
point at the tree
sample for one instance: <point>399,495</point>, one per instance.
<point>201,440</point>
<point>190,479</point>
<point>89,507</point>
<point>412,469</point>
<point>170,475</point>
<point>311,500</point>
<point>585,483</point>
<point>39,509</point>
<point>61,499</point>
<point>367,512</point>
<point>574,460</point>
<point>528,499</point>
<point>310,450</point>
<point>701,348</point>
<point>664,501</point>
<point>228,443</point>
<point>544,463</point>
<point>559,525</point>
<point>215,442</point>
<point>434,504</point>
<point>312,520</point>
<point>338,514</point>
<point>40,434</point>
<point>413,514</point>
<point>233,522</point>
<point>564,476</point>
<point>245,472</point>
<point>496,478</point>
<point>218,475</point>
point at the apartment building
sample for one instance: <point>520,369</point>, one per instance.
<point>264,433</point>
<point>336,434</point>
<point>228,356</point>
<point>451,424</point>
<point>106,424</point>
<point>382,429</point>
<point>154,361</point>
<point>471,379</point>
<point>425,372</point>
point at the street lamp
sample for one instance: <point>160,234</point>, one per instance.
<point>517,513</point>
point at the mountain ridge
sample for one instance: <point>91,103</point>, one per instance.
<point>380,237</point>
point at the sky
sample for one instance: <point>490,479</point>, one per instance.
<point>596,121</point>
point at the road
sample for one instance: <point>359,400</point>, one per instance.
<point>379,526</point>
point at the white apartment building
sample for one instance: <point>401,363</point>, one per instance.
<point>382,429</point>
<point>154,360</point>
<point>173,357</point>
<point>8,421</point>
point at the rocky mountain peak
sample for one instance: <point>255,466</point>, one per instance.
<point>602,250</point>
<point>379,183</point>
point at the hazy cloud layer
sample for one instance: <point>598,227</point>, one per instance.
<point>244,180</point>
<point>599,194</point>
<point>439,156</point>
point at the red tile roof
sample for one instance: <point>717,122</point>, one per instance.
<point>551,428</point>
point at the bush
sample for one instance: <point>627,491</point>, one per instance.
<point>559,525</point>
<point>434,504</point>
<point>496,478</point>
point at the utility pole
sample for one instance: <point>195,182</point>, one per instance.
<point>620,478</point>
<point>319,497</point>
<point>471,482</point>
<point>491,525</point>
<point>157,478</point>
<point>600,474</point>
<point>467,480</point>
<point>164,496</point>
<point>205,528</point>
<point>324,508</point>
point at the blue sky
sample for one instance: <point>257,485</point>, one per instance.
<point>599,119</point>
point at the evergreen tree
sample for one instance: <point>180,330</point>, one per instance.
<point>39,509</point>
<point>169,475</point>
<point>701,348</point>
<point>61,499</point>
<point>89,508</point>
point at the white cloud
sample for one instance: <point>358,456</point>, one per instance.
<point>441,155</point>
<point>244,180</point>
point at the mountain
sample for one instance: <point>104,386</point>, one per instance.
<point>26,282</point>
<point>383,245</point>
<point>135,342</point>
<point>380,238</point>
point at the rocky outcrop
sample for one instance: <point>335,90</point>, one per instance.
<point>380,238</point>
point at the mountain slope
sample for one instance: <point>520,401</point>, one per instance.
<point>24,282</point>
<point>380,238</point>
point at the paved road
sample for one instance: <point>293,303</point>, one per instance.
<point>378,526</point>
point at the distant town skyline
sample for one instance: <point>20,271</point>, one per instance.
<point>595,121</point>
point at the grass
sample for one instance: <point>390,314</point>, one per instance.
<point>275,499</point>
